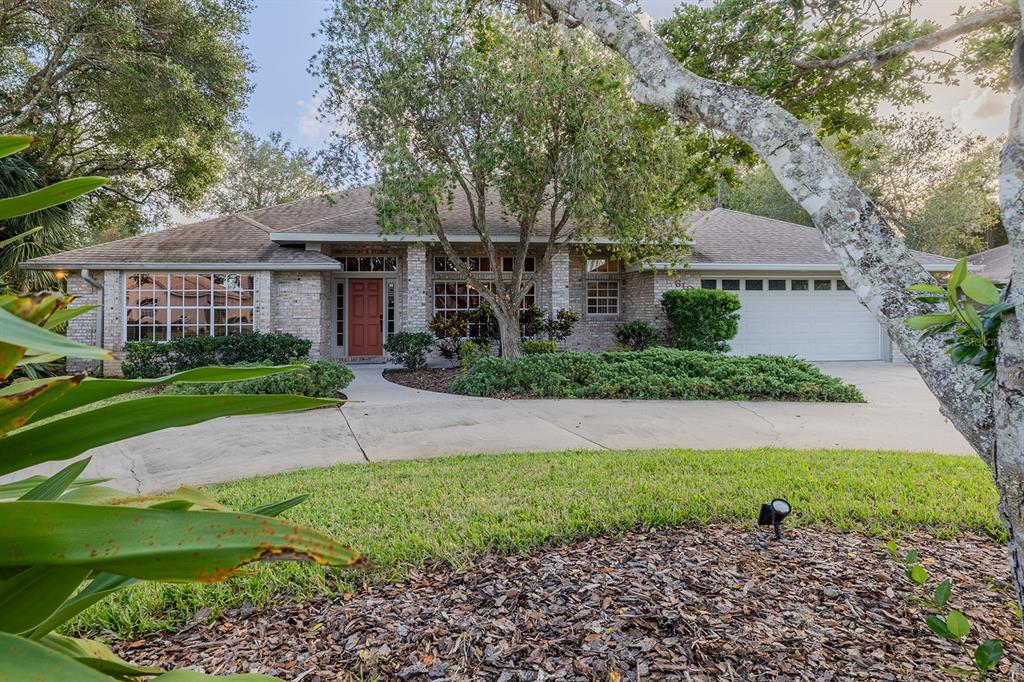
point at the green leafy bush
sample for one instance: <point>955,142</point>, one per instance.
<point>409,349</point>
<point>322,379</point>
<point>148,359</point>
<point>637,335</point>
<point>483,328</point>
<point>701,319</point>
<point>559,327</point>
<point>975,308</point>
<point>655,374</point>
<point>536,346</point>
<point>532,322</point>
<point>471,352</point>
<point>450,332</point>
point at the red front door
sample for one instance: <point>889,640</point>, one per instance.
<point>365,307</point>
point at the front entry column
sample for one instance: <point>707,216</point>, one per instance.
<point>415,317</point>
<point>559,280</point>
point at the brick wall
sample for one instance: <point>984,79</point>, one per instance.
<point>413,290</point>
<point>299,305</point>
<point>84,327</point>
<point>594,333</point>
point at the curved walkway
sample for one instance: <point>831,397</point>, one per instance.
<point>384,421</point>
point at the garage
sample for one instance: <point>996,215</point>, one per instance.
<point>814,317</point>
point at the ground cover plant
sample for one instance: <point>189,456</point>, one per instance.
<point>319,379</point>
<point>403,514</point>
<point>654,374</point>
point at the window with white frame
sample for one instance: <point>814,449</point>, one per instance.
<point>508,263</point>
<point>603,297</point>
<point>368,263</point>
<point>459,296</point>
<point>602,265</point>
<point>164,306</point>
<point>474,264</point>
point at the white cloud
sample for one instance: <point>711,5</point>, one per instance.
<point>309,125</point>
<point>984,111</point>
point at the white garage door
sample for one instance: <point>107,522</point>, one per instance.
<point>813,318</point>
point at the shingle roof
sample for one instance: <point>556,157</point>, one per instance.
<point>351,212</point>
<point>996,263</point>
<point>720,236</point>
<point>725,236</point>
<point>231,239</point>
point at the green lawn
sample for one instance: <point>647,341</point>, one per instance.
<point>448,509</point>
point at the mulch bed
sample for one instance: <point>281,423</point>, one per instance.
<point>436,380</point>
<point>679,604</point>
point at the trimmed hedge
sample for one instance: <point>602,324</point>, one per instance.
<point>148,359</point>
<point>701,319</point>
<point>655,374</point>
<point>535,346</point>
<point>321,379</point>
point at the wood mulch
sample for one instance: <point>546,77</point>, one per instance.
<point>437,380</point>
<point>718,603</point>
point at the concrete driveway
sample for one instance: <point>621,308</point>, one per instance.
<point>384,421</point>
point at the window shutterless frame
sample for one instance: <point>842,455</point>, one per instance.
<point>164,305</point>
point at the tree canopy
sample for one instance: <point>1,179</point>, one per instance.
<point>531,124</point>
<point>934,183</point>
<point>142,91</point>
<point>263,172</point>
<point>797,54</point>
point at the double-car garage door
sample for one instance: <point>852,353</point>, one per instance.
<point>816,318</point>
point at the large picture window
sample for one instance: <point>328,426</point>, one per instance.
<point>462,297</point>
<point>164,306</point>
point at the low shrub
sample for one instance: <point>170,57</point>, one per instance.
<point>559,326</point>
<point>655,374</point>
<point>536,346</point>
<point>701,319</point>
<point>409,349</point>
<point>148,359</point>
<point>637,335</point>
<point>471,352</point>
<point>321,379</point>
<point>532,321</point>
<point>450,332</point>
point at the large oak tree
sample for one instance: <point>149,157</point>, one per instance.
<point>144,92</point>
<point>873,258</point>
<point>530,124</point>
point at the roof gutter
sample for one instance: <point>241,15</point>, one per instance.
<point>190,267</point>
<point>766,267</point>
<point>291,237</point>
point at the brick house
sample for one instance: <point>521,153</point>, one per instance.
<point>319,268</point>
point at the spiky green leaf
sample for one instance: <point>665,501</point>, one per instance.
<point>48,197</point>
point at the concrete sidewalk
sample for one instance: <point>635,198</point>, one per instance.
<point>384,421</point>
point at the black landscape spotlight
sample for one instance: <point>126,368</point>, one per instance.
<point>772,514</point>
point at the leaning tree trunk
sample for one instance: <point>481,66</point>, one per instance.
<point>1007,459</point>
<point>510,331</point>
<point>872,257</point>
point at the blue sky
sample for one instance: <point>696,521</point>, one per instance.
<point>281,42</point>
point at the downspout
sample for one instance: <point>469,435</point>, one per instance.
<point>100,311</point>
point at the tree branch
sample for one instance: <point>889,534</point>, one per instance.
<point>1002,14</point>
<point>873,259</point>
